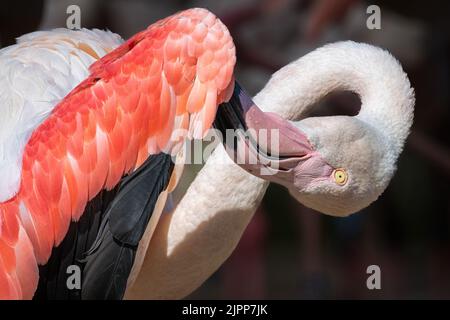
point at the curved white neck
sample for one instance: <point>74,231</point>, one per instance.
<point>190,244</point>
<point>375,75</point>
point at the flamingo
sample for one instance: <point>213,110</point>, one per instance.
<point>336,165</point>
<point>102,156</point>
<point>175,280</point>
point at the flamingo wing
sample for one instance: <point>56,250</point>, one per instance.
<point>168,78</point>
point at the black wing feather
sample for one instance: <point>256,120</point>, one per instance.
<point>109,261</point>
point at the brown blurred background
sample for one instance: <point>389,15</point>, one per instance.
<point>289,251</point>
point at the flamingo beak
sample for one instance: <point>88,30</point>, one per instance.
<point>267,145</point>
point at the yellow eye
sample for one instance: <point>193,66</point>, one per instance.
<point>340,176</point>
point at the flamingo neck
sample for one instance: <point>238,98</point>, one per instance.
<point>386,95</point>
<point>191,243</point>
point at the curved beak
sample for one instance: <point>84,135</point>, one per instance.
<point>266,145</point>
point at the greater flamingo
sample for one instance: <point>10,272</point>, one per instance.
<point>169,273</point>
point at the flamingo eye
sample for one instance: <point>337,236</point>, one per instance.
<point>340,176</point>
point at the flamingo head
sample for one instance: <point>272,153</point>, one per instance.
<point>336,165</point>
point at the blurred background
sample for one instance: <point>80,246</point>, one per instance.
<point>289,251</point>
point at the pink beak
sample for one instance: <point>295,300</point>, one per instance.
<point>268,146</point>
